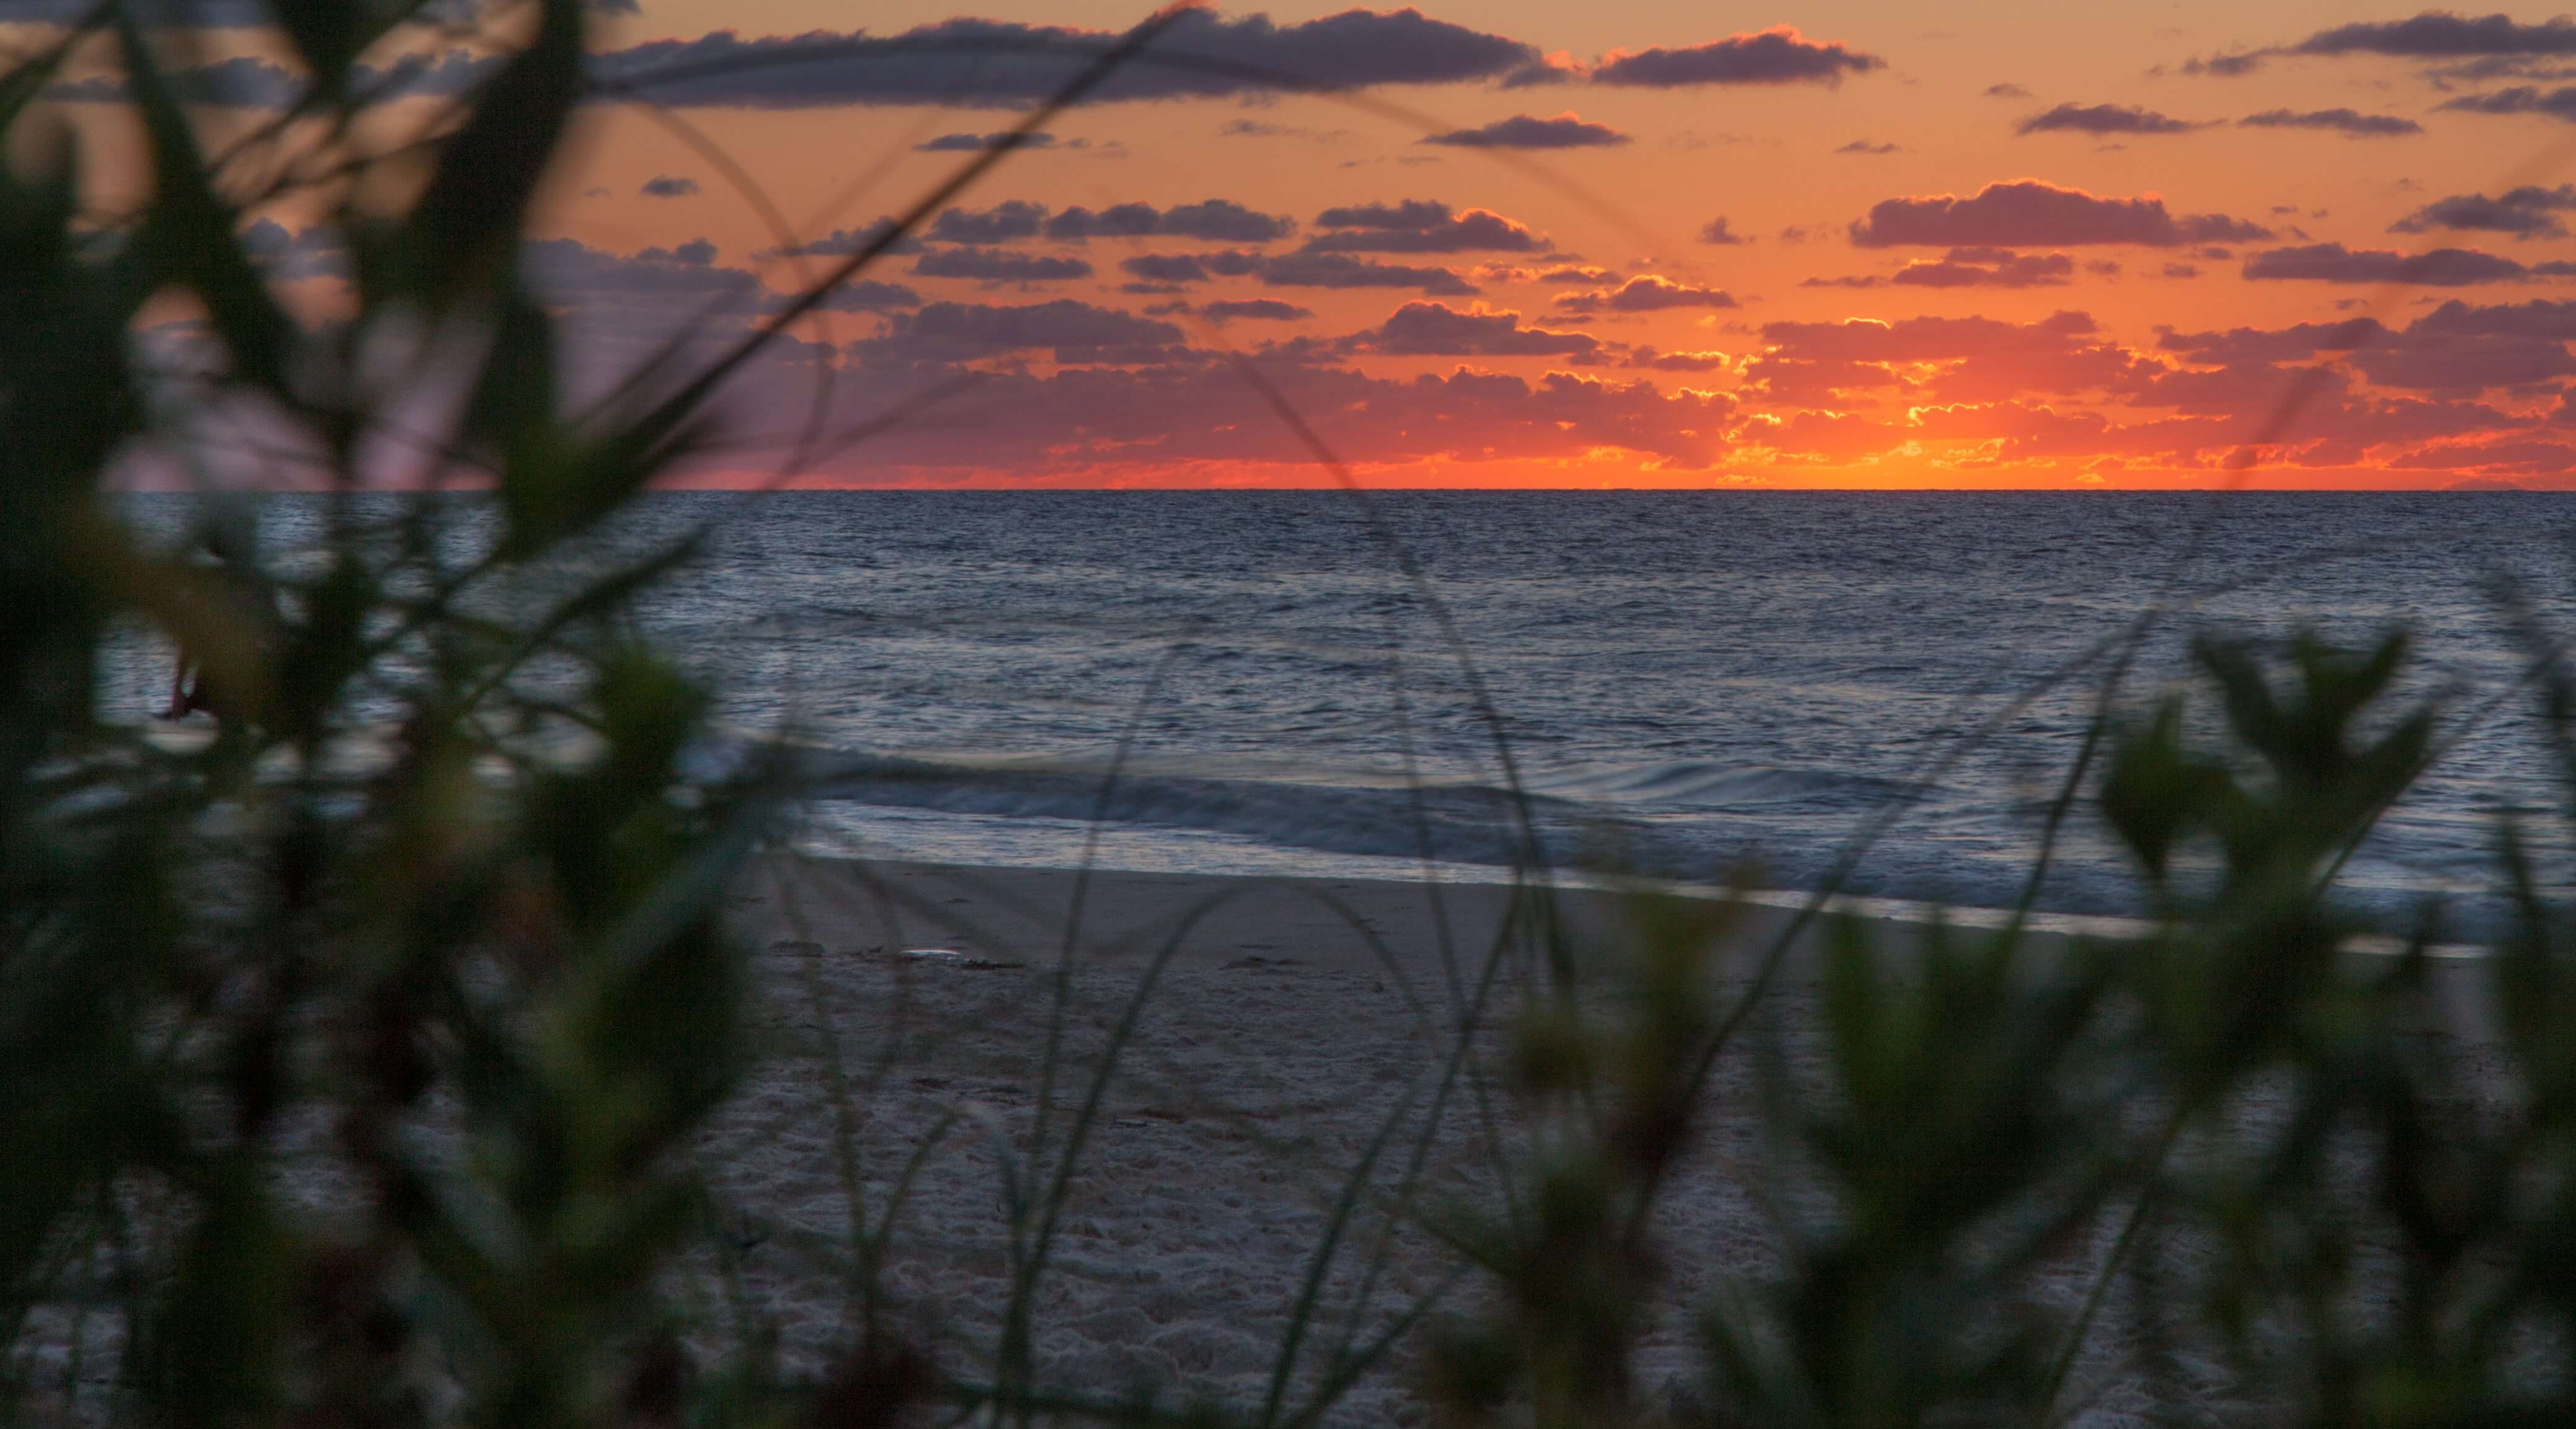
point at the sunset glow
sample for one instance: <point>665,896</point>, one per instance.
<point>1509,244</point>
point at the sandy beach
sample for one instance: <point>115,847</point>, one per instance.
<point>1290,1022</point>
<point>1286,1024</point>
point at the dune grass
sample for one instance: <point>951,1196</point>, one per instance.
<point>346,1079</point>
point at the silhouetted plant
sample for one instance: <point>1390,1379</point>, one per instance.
<point>353,1046</point>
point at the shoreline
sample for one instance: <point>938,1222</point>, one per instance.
<point>1019,916</point>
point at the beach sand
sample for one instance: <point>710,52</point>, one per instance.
<point>1287,1022</point>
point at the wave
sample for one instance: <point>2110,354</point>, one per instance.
<point>1560,815</point>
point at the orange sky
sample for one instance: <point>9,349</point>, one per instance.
<point>1926,289</point>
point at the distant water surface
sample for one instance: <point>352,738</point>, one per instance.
<point>1684,683</point>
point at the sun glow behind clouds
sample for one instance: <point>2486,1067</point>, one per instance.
<point>1798,252</point>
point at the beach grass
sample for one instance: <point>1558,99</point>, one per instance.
<point>432,1078</point>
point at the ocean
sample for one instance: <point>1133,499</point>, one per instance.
<point>1886,688</point>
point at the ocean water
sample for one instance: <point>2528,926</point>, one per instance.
<point>1770,685</point>
<point>1781,686</point>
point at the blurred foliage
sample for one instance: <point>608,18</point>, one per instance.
<point>353,1044</point>
<point>351,1048</point>
<point>2238,1170</point>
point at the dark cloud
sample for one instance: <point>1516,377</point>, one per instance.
<point>1166,268</point>
<point>1676,361</point>
<point>1419,226</point>
<point>1715,231</point>
<point>2006,90</point>
<point>1086,423</point>
<point>2334,263</point>
<point>1340,270</point>
<point>1438,330</point>
<point>1988,268</point>
<point>2522,99</point>
<point>2102,119</point>
<point>1072,332</point>
<point>1779,55</point>
<point>999,265</point>
<point>1217,220</point>
<point>2025,213</point>
<point>867,295</point>
<point>999,64</point>
<point>2528,212</point>
<point>666,186</point>
<point>1260,309</point>
<point>567,272</point>
<point>1010,219</point>
<point>242,82</point>
<point>841,242</point>
<point>286,257</point>
<point>1972,359</point>
<point>2439,34</point>
<point>1524,131</point>
<point>2431,35</point>
<point>2350,123</point>
<point>2457,347</point>
<point>1864,146</point>
<point>978,143</point>
<point>1646,294</point>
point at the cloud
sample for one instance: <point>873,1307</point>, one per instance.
<point>999,265</point>
<point>568,272</point>
<point>286,257</point>
<point>1438,330</point>
<point>1072,332</point>
<point>2439,34</point>
<point>2350,123</point>
<point>1676,361</point>
<point>2005,90</point>
<point>1090,424</point>
<point>1523,131</point>
<point>665,186</point>
<point>2527,212</point>
<point>1340,270</point>
<point>1002,64</point>
<point>1715,231</point>
<point>2334,263</point>
<point>1004,221</point>
<point>2024,213</point>
<point>1166,268</point>
<point>241,82</point>
<point>2102,119</point>
<point>978,143</point>
<point>1261,309</point>
<point>1988,268</point>
<point>1419,226</point>
<point>2431,35</point>
<point>1968,359</point>
<point>1779,55</point>
<point>620,306</point>
<point>867,295</point>
<point>1217,220</point>
<point>2521,99</point>
<point>841,242</point>
<point>1864,146</point>
<point>1646,294</point>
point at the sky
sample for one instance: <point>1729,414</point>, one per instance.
<point>1862,244</point>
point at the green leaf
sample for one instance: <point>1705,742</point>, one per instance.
<point>466,229</point>
<point>189,233</point>
<point>213,1357</point>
